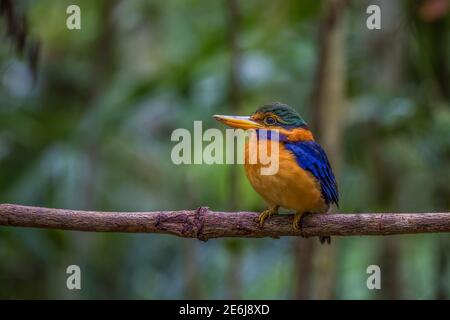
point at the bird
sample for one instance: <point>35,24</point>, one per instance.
<point>304,181</point>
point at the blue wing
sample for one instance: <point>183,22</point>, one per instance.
<point>311,157</point>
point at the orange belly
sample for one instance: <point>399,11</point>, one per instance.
<point>291,187</point>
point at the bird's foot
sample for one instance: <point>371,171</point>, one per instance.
<point>297,224</point>
<point>267,213</point>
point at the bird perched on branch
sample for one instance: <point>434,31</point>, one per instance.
<point>304,181</point>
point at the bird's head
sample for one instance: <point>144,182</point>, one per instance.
<point>273,116</point>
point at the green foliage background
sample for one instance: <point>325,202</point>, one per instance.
<point>93,132</point>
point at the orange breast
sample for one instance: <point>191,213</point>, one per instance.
<point>291,187</point>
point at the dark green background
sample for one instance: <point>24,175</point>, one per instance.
<point>92,131</point>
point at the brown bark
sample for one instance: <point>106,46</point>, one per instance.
<point>234,85</point>
<point>390,264</point>
<point>235,101</point>
<point>328,103</point>
<point>204,224</point>
<point>192,290</point>
<point>329,84</point>
<point>303,268</point>
<point>442,288</point>
<point>388,51</point>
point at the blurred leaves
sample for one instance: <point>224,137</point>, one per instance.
<point>94,131</point>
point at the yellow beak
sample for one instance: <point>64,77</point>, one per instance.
<point>238,122</point>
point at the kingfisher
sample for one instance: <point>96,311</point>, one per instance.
<point>304,181</point>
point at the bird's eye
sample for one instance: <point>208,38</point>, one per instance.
<point>269,121</point>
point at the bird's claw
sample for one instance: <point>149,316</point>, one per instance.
<point>297,224</point>
<point>266,214</point>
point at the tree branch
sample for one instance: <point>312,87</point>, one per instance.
<point>205,224</point>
